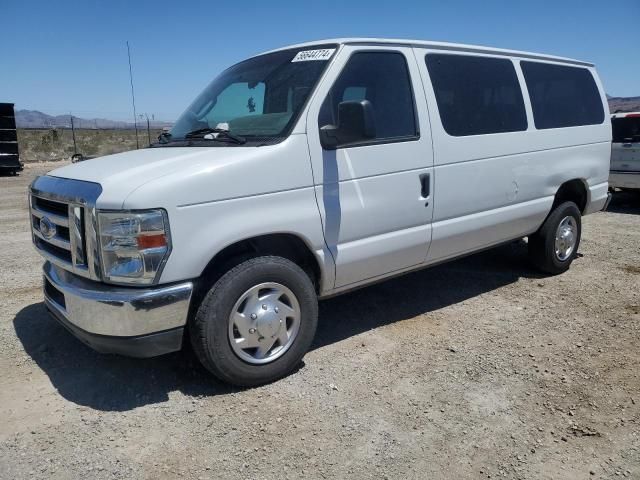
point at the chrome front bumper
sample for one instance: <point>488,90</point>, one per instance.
<point>140,322</point>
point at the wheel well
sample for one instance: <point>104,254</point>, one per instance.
<point>572,191</point>
<point>284,245</point>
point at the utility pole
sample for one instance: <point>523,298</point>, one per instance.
<point>73,134</point>
<point>133,97</point>
<point>144,115</point>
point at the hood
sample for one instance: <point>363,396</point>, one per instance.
<point>122,173</point>
<point>135,165</point>
<point>171,176</point>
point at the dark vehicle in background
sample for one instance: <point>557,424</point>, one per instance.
<point>9,155</point>
<point>625,151</point>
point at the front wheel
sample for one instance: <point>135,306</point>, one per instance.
<point>554,246</point>
<point>257,321</point>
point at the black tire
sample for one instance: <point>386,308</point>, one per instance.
<point>542,252</point>
<point>209,329</point>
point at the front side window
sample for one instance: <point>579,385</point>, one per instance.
<point>383,79</point>
<point>562,96</point>
<point>476,95</point>
<point>259,99</point>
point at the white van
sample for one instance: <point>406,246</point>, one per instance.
<point>313,170</point>
<point>625,151</point>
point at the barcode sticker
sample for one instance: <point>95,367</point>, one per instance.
<point>309,55</point>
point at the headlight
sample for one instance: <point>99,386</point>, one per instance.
<point>134,245</point>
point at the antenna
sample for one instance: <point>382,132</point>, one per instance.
<point>133,97</point>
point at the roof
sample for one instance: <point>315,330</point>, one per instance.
<point>456,47</point>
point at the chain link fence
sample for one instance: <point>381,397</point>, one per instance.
<point>52,144</point>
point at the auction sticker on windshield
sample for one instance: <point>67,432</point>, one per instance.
<point>308,55</point>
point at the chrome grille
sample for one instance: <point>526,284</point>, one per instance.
<point>59,244</point>
<point>62,224</point>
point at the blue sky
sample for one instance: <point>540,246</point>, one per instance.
<point>66,56</point>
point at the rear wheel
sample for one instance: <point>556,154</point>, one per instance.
<point>257,321</point>
<point>554,246</point>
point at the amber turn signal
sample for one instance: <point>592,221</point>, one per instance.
<point>152,241</point>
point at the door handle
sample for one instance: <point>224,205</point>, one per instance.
<point>425,184</point>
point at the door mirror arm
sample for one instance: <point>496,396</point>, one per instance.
<point>329,137</point>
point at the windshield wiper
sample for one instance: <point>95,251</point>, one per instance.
<point>222,135</point>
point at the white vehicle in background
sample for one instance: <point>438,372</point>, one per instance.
<point>312,170</point>
<point>625,151</point>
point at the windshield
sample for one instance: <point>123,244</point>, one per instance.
<point>626,129</point>
<point>258,99</point>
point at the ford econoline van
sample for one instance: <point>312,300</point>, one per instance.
<point>309,171</point>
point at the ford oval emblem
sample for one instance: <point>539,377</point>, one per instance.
<point>47,228</point>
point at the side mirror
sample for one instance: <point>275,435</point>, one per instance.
<point>356,123</point>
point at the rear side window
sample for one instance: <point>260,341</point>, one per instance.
<point>383,79</point>
<point>562,96</point>
<point>476,95</point>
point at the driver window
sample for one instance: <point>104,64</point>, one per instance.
<point>383,79</point>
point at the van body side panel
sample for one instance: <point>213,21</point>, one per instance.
<point>464,225</point>
<point>375,220</point>
<point>496,187</point>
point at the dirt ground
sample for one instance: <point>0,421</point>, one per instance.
<point>479,368</point>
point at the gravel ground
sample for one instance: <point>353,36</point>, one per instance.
<point>479,368</point>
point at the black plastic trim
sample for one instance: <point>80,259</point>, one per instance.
<point>369,143</point>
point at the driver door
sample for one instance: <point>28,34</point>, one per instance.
<point>375,197</point>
